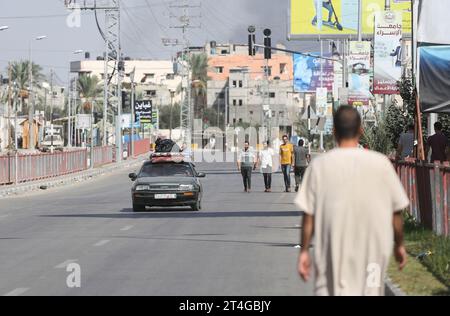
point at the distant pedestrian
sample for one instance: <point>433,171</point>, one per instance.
<point>352,201</point>
<point>287,161</point>
<point>301,161</point>
<point>246,163</point>
<point>406,143</point>
<point>438,143</point>
<point>265,161</point>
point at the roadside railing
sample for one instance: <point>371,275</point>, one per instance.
<point>140,147</point>
<point>427,186</point>
<point>103,155</point>
<point>17,168</point>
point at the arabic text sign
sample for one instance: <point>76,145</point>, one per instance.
<point>143,110</point>
<point>307,74</point>
<point>388,52</point>
<point>310,18</point>
<point>359,73</point>
<point>322,101</point>
<point>83,121</point>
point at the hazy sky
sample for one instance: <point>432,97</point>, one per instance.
<point>144,24</point>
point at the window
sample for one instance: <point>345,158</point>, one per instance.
<point>283,68</point>
<point>251,112</point>
<point>170,76</point>
<point>267,70</point>
<point>240,102</point>
<point>281,114</point>
<point>234,121</point>
<point>151,93</point>
<point>240,120</point>
<point>219,70</point>
<point>234,102</point>
<point>273,113</point>
<point>272,95</point>
<point>240,84</point>
<point>150,76</point>
<point>234,83</point>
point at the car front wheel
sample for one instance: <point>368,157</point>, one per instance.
<point>197,206</point>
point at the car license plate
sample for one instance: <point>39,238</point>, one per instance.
<point>165,196</point>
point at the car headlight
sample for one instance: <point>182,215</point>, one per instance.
<point>186,187</point>
<point>142,187</point>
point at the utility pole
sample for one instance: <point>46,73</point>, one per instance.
<point>112,83</point>
<point>133,119</point>
<point>186,113</point>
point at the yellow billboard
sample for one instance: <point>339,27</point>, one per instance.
<point>339,18</point>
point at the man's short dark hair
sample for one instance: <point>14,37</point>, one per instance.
<point>301,142</point>
<point>438,126</point>
<point>347,122</point>
<point>285,136</point>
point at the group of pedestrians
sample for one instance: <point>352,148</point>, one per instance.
<point>437,145</point>
<point>291,158</point>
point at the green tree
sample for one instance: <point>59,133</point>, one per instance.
<point>90,89</point>
<point>164,116</point>
<point>199,68</point>
<point>20,74</point>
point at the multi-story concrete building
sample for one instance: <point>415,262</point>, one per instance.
<point>252,89</point>
<point>156,79</point>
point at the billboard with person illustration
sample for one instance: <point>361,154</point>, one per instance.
<point>339,18</point>
<point>307,74</point>
<point>388,52</point>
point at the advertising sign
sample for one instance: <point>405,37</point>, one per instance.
<point>434,79</point>
<point>388,52</point>
<point>83,121</point>
<point>307,74</point>
<point>143,111</point>
<point>322,101</point>
<point>339,18</point>
<point>359,73</point>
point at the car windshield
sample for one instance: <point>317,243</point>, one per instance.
<point>166,170</point>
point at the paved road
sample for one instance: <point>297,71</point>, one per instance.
<point>240,244</point>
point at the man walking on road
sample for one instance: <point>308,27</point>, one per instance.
<point>287,160</point>
<point>352,201</point>
<point>438,144</point>
<point>302,159</point>
<point>406,143</point>
<point>265,161</point>
<point>246,163</point>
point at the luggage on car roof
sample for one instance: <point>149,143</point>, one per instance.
<point>166,146</point>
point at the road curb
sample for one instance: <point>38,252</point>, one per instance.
<point>14,190</point>
<point>392,289</point>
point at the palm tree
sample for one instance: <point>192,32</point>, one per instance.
<point>20,73</point>
<point>199,68</point>
<point>89,89</point>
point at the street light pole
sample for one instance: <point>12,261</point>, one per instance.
<point>31,135</point>
<point>69,125</point>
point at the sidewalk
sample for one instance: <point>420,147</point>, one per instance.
<point>11,190</point>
